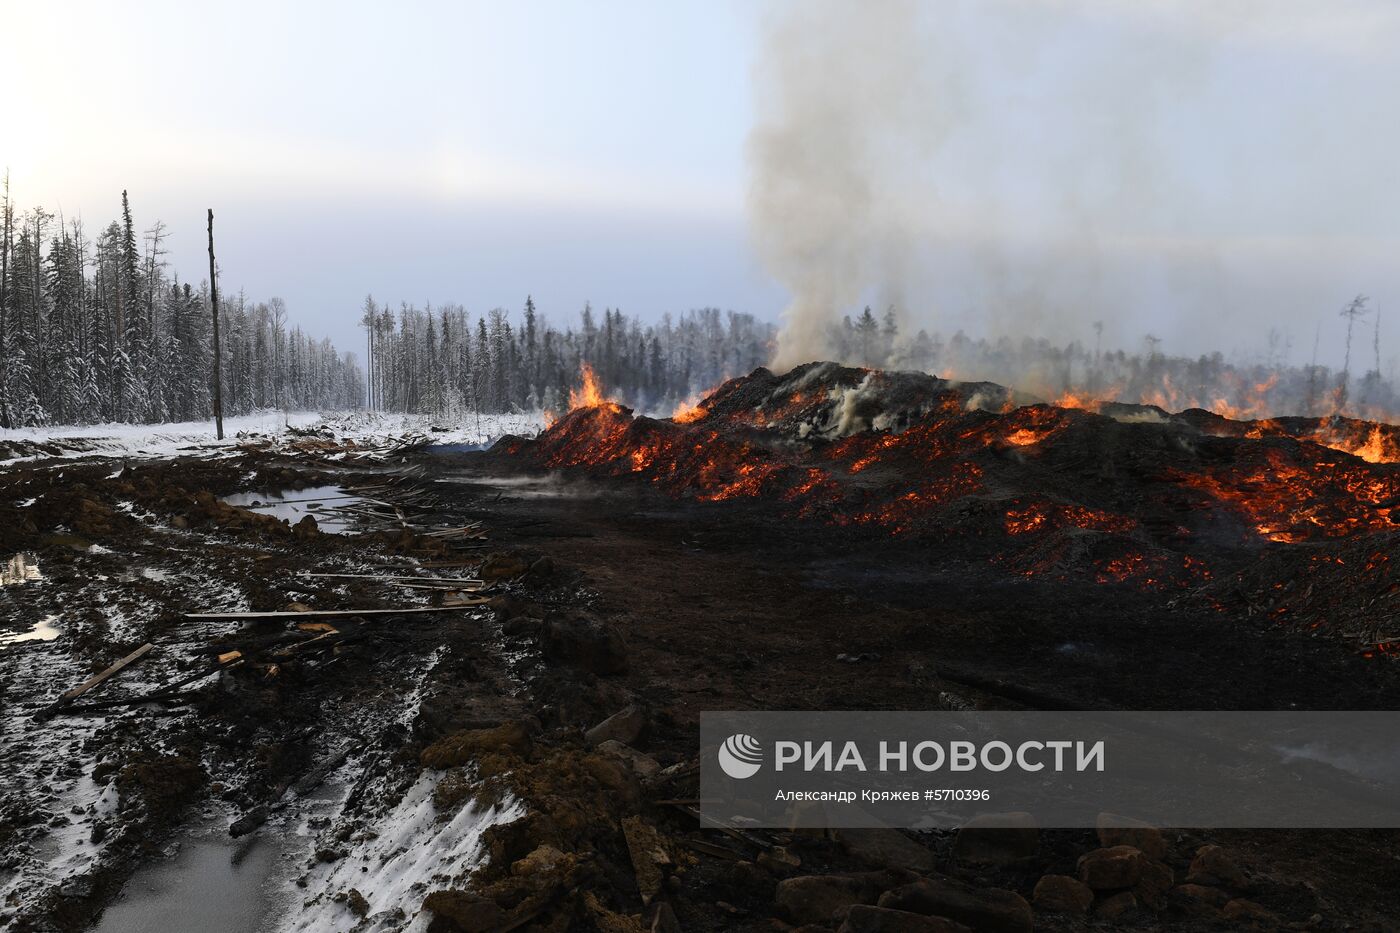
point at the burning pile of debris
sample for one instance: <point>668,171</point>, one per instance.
<point>1103,493</point>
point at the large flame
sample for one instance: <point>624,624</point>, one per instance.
<point>590,393</point>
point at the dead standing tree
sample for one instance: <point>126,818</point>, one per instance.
<point>1352,313</point>
<point>214,304</point>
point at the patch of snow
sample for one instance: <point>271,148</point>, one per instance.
<point>196,438</point>
<point>414,851</point>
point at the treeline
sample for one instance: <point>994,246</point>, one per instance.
<point>1265,386</point>
<point>445,360</point>
<point>96,331</point>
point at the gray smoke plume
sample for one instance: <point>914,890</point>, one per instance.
<point>1200,172</point>
<point>841,100</point>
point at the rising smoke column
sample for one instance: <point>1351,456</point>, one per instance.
<point>842,98</point>
<point>1204,173</point>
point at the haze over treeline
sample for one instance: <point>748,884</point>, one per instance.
<point>96,329</point>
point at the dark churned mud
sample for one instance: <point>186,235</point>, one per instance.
<point>526,759</point>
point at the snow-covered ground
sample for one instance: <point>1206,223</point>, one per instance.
<point>18,445</point>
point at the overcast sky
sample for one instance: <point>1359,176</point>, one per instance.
<point>1198,170</point>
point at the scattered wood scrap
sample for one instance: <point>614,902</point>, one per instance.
<point>462,582</point>
<point>318,627</point>
<point>164,694</point>
<point>332,613</point>
<point>69,696</point>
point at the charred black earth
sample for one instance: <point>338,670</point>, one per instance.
<point>828,539</point>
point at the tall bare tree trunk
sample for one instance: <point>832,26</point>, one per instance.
<point>7,220</point>
<point>214,303</point>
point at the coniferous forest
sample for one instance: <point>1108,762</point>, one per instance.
<point>100,328</point>
<point>97,328</point>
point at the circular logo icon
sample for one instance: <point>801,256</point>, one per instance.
<point>740,756</point>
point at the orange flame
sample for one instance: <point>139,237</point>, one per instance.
<point>590,393</point>
<point>688,412</point>
<point>1073,399</point>
<point>1376,448</point>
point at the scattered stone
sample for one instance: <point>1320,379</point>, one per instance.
<point>248,822</point>
<point>644,765</point>
<point>306,529</point>
<point>817,898</point>
<point>1118,906</point>
<point>1157,879</point>
<point>998,838</point>
<point>987,910</point>
<point>1243,911</point>
<point>779,860</point>
<point>76,887</point>
<point>863,918</point>
<point>1062,894</point>
<point>471,913</point>
<point>1115,830</point>
<point>624,726</point>
<point>543,860</point>
<point>1214,866</point>
<point>357,903</point>
<point>1111,868</point>
<point>1198,899</point>
<point>747,876</point>
<point>887,848</point>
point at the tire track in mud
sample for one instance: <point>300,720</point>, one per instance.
<point>320,751</point>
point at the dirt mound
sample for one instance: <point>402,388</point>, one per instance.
<point>1123,493</point>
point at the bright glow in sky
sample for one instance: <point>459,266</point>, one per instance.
<point>479,151</point>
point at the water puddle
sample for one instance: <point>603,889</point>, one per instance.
<point>43,630</point>
<point>331,506</point>
<point>212,884</point>
<point>22,568</point>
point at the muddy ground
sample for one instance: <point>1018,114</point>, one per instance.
<point>445,739</point>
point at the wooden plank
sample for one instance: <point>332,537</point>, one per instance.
<point>396,578</point>
<point>93,681</point>
<point>111,671</point>
<point>167,693</point>
<point>330,613</point>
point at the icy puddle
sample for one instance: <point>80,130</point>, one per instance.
<point>43,630</point>
<point>22,568</point>
<point>212,884</point>
<point>326,504</point>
